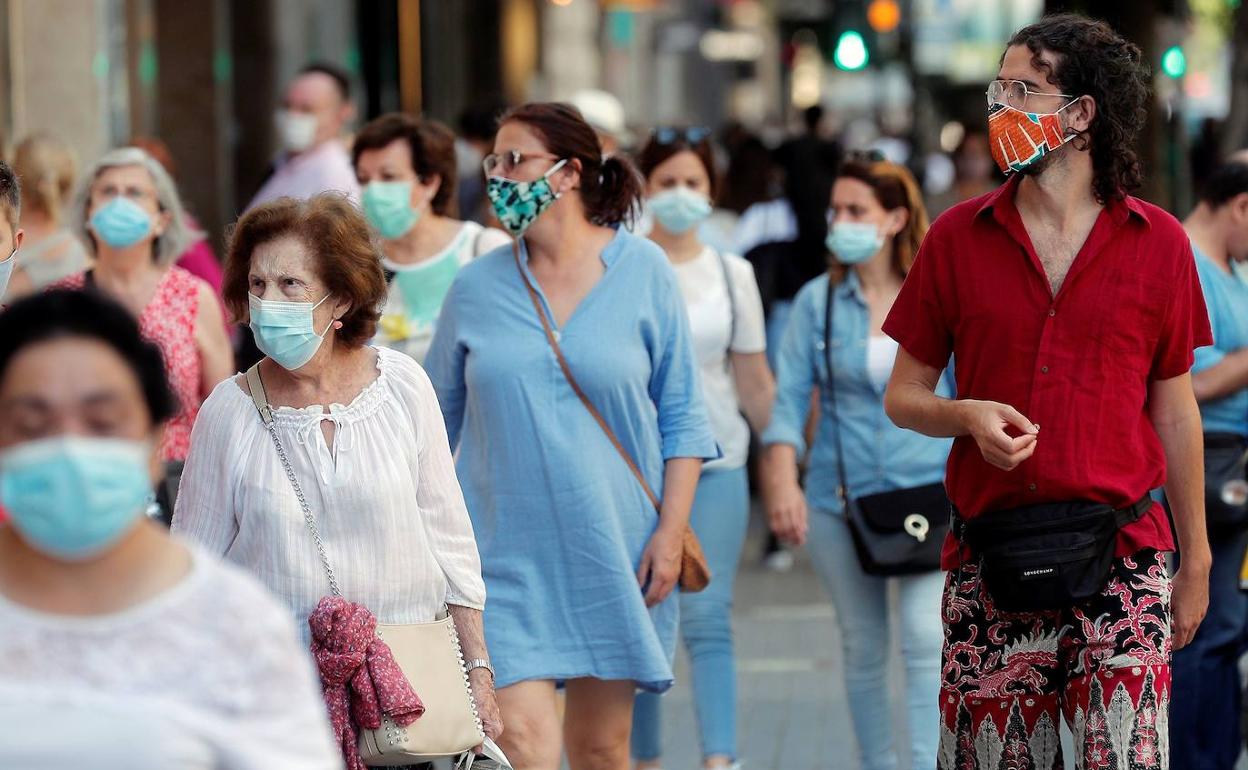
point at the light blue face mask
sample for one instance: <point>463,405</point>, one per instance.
<point>73,497</point>
<point>284,330</point>
<point>853,243</point>
<point>679,209</point>
<point>388,207</point>
<point>6,272</point>
<point>121,222</point>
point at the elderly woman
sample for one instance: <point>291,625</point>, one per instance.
<point>406,168</point>
<point>360,426</point>
<point>128,213</point>
<point>123,647</point>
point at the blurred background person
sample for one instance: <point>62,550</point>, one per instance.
<point>120,644</point>
<point>128,212</point>
<point>50,251</point>
<point>579,565</point>
<point>1206,695</point>
<point>878,222</point>
<point>974,171</point>
<point>310,123</point>
<point>477,124</point>
<point>198,259</point>
<point>604,112</point>
<point>359,426</point>
<point>729,340</point>
<point>406,169</point>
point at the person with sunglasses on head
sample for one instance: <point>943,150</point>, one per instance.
<point>568,381</point>
<point>406,169</point>
<point>729,339</point>
<point>1072,310</point>
<point>834,345</point>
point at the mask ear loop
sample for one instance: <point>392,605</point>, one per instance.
<point>551,172</point>
<point>332,320</point>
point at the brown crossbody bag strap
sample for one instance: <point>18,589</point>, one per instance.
<point>695,575</point>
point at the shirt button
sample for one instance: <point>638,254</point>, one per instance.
<point>1052,312</point>
<point>819,345</point>
<point>1044,370</point>
<point>1031,487</point>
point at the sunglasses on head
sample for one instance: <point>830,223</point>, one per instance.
<point>671,135</point>
<point>865,156</point>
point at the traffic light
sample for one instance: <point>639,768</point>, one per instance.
<point>1174,62</point>
<point>884,15</point>
<point>850,53</point>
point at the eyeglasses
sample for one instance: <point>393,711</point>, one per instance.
<point>671,135</point>
<point>1014,93</point>
<point>506,162</point>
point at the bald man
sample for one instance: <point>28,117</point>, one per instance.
<point>309,125</point>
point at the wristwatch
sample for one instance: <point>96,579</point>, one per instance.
<point>476,663</point>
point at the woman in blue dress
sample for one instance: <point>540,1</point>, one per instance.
<point>579,567</point>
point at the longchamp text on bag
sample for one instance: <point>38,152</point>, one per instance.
<point>428,653</point>
<point>695,573</point>
<point>900,532</point>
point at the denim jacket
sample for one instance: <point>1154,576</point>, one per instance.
<point>879,456</point>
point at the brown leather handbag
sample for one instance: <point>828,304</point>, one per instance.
<point>695,573</point>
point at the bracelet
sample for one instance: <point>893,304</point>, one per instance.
<point>476,663</point>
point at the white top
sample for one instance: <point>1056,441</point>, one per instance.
<point>398,330</point>
<point>703,285</point>
<point>323,168</point>
<point>385,497</point>
<point>765,222</point>
<point>881,353</point>
<point>207,675</point>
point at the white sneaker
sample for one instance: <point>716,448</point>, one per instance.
<point>778,561</point>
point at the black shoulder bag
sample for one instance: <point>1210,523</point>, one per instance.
<point>900,532</point>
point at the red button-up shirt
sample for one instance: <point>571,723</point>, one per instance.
<point>1077,364</point>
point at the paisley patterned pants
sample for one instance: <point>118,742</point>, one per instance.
<point>1103,666</point>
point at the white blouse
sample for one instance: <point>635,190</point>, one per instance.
<point>208,674</point>
<point>386,500</point>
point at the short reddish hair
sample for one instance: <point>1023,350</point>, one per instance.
<point>344,257</point>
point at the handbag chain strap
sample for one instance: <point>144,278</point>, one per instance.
<point>576,388</point>
<point>842,488</point>
<point>261,401</point>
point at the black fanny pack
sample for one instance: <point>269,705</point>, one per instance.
<point>1046,556</point>
<point>1226,508</point>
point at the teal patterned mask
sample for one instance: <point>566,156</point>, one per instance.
<point>518,204</point>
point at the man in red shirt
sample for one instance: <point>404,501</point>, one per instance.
<point>1072,311</point>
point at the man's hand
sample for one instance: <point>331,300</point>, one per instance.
<point>987,421</point>
<point>1189,599</point>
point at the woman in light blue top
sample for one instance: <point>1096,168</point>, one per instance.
<point>1205,698</point>
<point>578,565</point>
<point>877,224</point>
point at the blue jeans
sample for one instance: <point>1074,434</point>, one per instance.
<point>720,516</point>
<point>861,603</point>
<point>1204,694</point>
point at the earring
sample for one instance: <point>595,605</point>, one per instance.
<point>337,324</point>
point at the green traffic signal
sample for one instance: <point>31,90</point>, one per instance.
<point>1174,62</point>
<point>851,51</point>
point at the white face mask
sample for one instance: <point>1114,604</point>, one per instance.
<point>296,130</point>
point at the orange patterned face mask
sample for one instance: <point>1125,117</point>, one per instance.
<point>1018,139</point>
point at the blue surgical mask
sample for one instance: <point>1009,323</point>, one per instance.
<point>518,204</point>
<point>853,243</point>
<point>121,222</point>
<point>73,497</point>
<point>284,331</point>
<point>679,209</point>
<point>6,272</point>
<point>388,207</point>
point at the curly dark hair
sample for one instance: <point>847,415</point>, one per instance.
<point>1091,59</point>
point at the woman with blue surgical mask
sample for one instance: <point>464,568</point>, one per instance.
<point>407,172</point>
<point>725,313</point>
<point>123,647</point>
<point>359,430</point>
<point>128,213</point>
<point>875,225</point>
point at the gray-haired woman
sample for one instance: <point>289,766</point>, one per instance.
<point>127,212</point>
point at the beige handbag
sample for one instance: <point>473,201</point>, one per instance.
<point>428,653</point>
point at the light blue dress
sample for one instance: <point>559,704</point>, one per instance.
<point>560,521</point>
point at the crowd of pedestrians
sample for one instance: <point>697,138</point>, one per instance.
<point>244,504</point>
